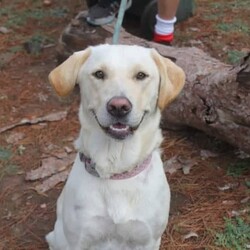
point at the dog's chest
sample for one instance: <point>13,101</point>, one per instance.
<point>121,200</point>
<point>116,219</point>
<point>120,204</point>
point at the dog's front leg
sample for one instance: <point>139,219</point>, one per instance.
<point>56,238</point>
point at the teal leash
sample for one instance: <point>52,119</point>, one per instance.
<point>118,23</point>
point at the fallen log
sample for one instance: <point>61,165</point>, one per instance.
<point>215,99</point>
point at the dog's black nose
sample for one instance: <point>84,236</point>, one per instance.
<point>119,106</point>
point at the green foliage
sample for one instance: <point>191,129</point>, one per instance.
<point>235,236</point>
<point>58,12</point>
<point>234,56</point>
<point>239,168</point>
<point>11,169</point>
<point>19,17</point>
<point>247,182</point>
<point>212,16</point>
<point>234,26</point>
<point>15,49</point>
<point>5,154</point>
<point>35,43</point>
<point>6,166</point>
<point>4,11</point>
<point>237,4</point>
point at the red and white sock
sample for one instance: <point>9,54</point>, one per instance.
<point>164,30</point>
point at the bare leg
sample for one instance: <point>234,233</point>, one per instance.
<point>167,8</point>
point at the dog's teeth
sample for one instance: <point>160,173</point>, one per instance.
<point>125,128</point>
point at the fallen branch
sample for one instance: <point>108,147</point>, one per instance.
<point>57,116</point>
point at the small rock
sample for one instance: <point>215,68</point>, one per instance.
<point>225,48</point>
<point>21,149</point>
<point>9,215</point>
<point>194,29</point>
<point>75,23</point>
<point>228,202</point>
<point>235,213</point>
<point>68,150</point>
<point>196,42</point>
<point>3,97</point>
<point>43,205</point>
<point>42,97</point>
<point>245,200</point>
<point>47,3</point>
<point>4,30</point>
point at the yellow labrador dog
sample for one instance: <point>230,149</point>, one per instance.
<point>116,196</point>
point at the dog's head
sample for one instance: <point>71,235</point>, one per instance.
<point>120,84</point>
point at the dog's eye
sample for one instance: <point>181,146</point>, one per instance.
<point>99,74</point>
<point>141,76</point>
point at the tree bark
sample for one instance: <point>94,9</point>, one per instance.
<point>216,96</point>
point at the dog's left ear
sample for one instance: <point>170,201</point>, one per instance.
<point>172,79</point>
<point>64,77</point>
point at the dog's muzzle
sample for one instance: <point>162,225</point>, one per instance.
<point>119,108</point>
<point>119,127</point>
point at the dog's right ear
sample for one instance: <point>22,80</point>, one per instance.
<point>64,77</point>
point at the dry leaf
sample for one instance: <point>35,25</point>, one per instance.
<point>52,181</point>
<point>235,213</point>
<point>190,235</point>
<point>60,154</point>
<point>68,150</point>
<point>50,166</point>
<point>228,186</point>
<point>172,165</point>
<point>242,155</point>
<point>15,137</point>
<point>175,163</point>
<point>207,154</point>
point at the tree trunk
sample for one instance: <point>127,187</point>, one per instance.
<point>216,96</point>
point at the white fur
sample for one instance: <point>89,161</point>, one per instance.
<point>100,213</point>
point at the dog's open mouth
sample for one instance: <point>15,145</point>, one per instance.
<point>119,131</point>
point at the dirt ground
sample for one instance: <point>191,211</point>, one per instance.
<point>217,186</point>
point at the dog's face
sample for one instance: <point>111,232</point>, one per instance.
<point>120,85</point>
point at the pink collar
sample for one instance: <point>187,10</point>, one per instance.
<point>90,168</point>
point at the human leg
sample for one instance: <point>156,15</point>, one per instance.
<point>165,20</point>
